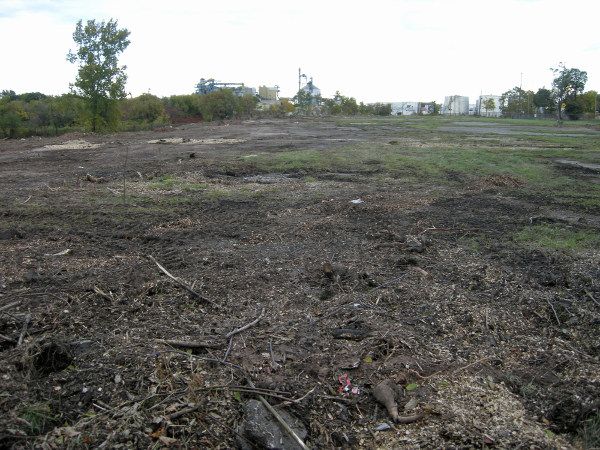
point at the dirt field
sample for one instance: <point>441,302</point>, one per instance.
<point>130,265</point>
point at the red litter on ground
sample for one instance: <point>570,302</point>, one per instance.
<point>346,386</point>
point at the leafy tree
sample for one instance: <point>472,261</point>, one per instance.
<point>145,108</point>
<point>544,98</point>
<point>247,105</point>
<point>489,103</point>
<point>516,102</point>
<point>12,117</point>
<point>218,105</point>
<point>568,84</point>
<point>590,101</point>
<point>100,81</point>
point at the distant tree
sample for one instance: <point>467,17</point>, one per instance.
<point>100,81</point>
<point>218,105</point>
<point>544,98</point>
<point>145,108</point>
<point>489,103</point>
<point>568,84</point>
<point>247,105</point>
<point>349,106</point>
<point>511,102</point>
<point>590,101</point>
<point>12,117</point>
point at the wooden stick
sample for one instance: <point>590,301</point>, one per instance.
<point>472,364</point>
<point>554,311</point>
<point>287,428</point>
<point>228,349</point>
<point>10,305</point>
<point>448,229</point>
<point>181,283</point>
<point>245,327</point>
<point>189,344</point>
<point>105,296</point>
<point>591,296</point>
<point>24,330</point>
<point>7,339</point>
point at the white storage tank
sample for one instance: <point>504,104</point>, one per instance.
<point>456,105</point>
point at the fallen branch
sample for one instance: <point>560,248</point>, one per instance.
<point>448,229</point>
<point>183,412</point>
<point>592,297</point>
<point>201,358</point>
<point>283,423</point>
<point>188,344</point>
<point>245,327</point>
<point>554,311</point>
<point>472,364</point>
<point>105,296</point>
<point>7,339</point>
<point>228,349</point>
<point>181,283</point>
<point>10,305</point>
<point>24,330</point>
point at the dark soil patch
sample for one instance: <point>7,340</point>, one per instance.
<point>422,284</point>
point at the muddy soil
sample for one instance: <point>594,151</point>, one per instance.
<point>152,284</point>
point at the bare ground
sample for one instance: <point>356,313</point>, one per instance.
<point>335,273</point>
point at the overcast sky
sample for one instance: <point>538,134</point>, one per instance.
<point>378,50</point>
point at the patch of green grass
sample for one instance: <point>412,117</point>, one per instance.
<point>557,238</point>
<point>590,433</point>
<point>38,416</point>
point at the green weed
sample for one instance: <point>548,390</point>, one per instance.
<point>38,416</point>
<point>558,238</point>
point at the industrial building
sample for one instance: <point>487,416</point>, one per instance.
<point>206,86</point>
<point>410,108</point>
<point>455,105</point>
<point>483,101</point>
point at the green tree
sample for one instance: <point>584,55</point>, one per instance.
<point>590,101</point>
<point>247,105</point>
<point>544,98</point>
<point>145,108</point>
<point>489,103</point>
<point>568,84</point>
<point>100,81</point>
<point>513,102</point>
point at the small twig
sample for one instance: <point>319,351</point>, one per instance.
<point>7,339</point>
<point>10,305</point>
<point>24,330</point>
<point>181,283</point>
<point>201,358</point>
<point>183,412</point>
<point>554,311</point>
<point>274,363</point>
<point>298,400</point>
<point>228,349</point>
<point>245,327</point>
<point>188,344</point>
<point>448,229</point>
<point>592,297</point>
<point>283,423</point>
<point>472,364</point>
<point>105,296</point>
<point>28,198</point>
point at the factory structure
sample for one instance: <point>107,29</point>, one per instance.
<point>206,86</point>
<point>454,105</point>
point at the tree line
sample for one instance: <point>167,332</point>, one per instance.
<point>98,101</point>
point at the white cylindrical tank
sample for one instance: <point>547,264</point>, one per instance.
<point>456,105</point>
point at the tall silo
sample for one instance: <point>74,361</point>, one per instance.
<point>456,105</point>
